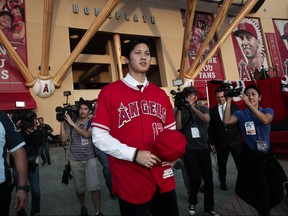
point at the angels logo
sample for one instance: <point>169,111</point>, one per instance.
<point>134,109</point>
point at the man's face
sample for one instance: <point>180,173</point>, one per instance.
<point>84,111</point>
<point>140,59</point>
<point>249,44</point>
<point>192,98</point>
<point>220,98</point>
<point>5,21</point>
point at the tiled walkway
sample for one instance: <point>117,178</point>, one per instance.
<point>60,199</point>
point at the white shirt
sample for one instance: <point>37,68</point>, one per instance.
<point>220,110</point>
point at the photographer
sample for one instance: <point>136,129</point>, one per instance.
<point>81,156</point>
<point>26,122</point>
<point>260,177</point>
<point>193,120</point>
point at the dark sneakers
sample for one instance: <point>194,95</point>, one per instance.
<point>212,213</point>
<point>84,211</point>
<point>191,209</point>
<point>99,214</point>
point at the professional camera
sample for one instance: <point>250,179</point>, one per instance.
<point>229,89</point>
<point>179,98</point>
<point>72,110</point>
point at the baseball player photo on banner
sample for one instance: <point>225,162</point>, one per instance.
<point>281,32</point>
<point>249,49</point>
<point>201,26</point>
<point>13,27</point>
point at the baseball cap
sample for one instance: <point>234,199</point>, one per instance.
<point>246,27</point>
<point>170,145</point>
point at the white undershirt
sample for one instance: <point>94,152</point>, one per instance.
<point>220,110</point>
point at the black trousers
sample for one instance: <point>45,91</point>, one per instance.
<point>162,204</point>
<point>222,158</point>
<point>5,198</point>
<point>199,166</point>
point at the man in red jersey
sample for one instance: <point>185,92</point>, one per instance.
<point>127,121</point>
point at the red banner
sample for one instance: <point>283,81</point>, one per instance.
<point>274,53</point>
<point>13,92</point>
<point>12,24</point>
<point>281,33</point>
<point>202,24</point>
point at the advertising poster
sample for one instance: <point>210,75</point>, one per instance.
<point>249,49</point>
<point>202,24</point>
<point>12,24</point>
<point>281,33</point>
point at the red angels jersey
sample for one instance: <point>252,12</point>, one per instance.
<point>135,118</point>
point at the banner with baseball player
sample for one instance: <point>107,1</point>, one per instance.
<point>201,26</point>
<point>281,32</point>
<point>12,25</point>
<point>249,49</point>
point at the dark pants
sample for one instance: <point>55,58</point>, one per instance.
<point>222,158</point>
<point>33,177</point>
<point>103,159</point>
<point>5,198</point>
<point>199,166</point>
<point>44,152</point>
<point>162,204</point>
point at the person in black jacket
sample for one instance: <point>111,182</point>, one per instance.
<point>224,138</point>
<point>46,130</point>
<point>193,119</point>
<point>26,122</point>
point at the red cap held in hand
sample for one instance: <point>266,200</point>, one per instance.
<point>170,145</point>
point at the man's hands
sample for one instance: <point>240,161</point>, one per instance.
<point>147,159</point>
<point>21,200</point>
<point>68,119</point>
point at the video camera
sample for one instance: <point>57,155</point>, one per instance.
<point>72,110</point>
<point>179,97</point>
<point>229,89</point>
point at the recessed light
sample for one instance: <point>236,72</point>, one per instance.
<point>74,36</point>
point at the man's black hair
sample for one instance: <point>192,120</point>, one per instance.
<point>131,45</point>
<point>85,102</point>
<point>4,12</point>
<point>220,89</point>
<point>26,118</point>
<point>190,90</point>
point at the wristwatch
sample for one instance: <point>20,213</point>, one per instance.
<point>26,188</point>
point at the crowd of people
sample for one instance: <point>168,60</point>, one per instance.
<point>123,131</point>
